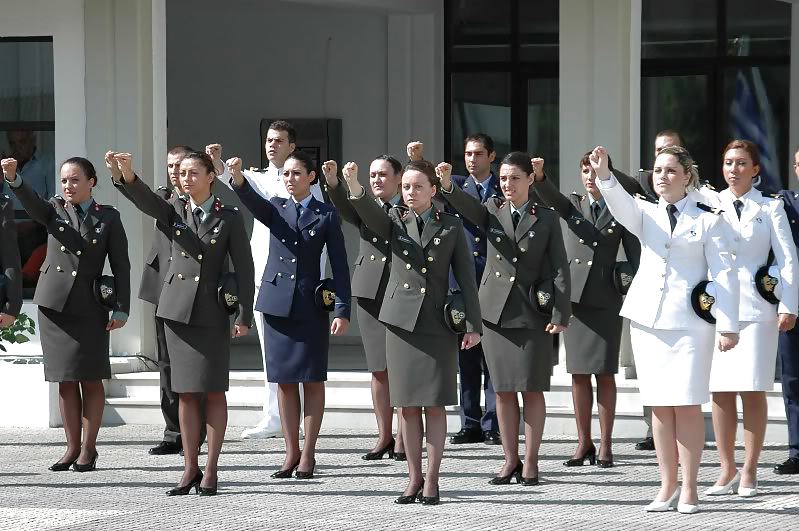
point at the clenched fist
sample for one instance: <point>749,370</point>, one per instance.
<point>234,167</point>
<point>599,161</point>
<point>9,169</point>
<point>538,168</point>
<point>415,150</point>
<point>444,174</point>
<point>113,166</point>
<point>330,171</point>
<point>214,151</point>
<point>350,173</point>
<point>125,162</point>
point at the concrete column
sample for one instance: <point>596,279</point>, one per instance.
<point>599,78</point>
<point>126,111</point>
<point>415,100</point>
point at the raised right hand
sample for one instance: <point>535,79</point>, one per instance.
<point>415,150</point>
<point>350,173</point>
<point>125,162</point>
<point>599,161</point>
<point>9,169</point>
<point>113,166</point>
<point>234,167</point>
<point>330,171</point>
<point>444,174</point>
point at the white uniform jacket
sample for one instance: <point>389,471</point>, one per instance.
<point>763,226</point>
<point>672,264</point>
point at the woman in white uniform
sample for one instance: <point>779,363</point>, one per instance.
<point>682,239</point>
<point>760,227</point>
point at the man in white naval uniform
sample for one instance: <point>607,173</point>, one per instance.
<point>280,142</point>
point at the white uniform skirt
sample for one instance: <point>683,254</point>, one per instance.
<point>673,366</point>
<point>750,366</point>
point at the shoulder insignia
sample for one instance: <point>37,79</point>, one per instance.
<point>579,197</point>
<point>645,198</point>
<point>60,199</point>
<point>706,184</point>
<point>531,210</point>
<point>707,208</point>
<point>503,204</point>
<point>98,207</point>
<point>776,196</point>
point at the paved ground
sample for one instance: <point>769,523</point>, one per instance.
<point>127,490</point>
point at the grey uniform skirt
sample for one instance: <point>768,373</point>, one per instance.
<point>593,340</point>
<point>373,334</point>
<point>199,356</point>
<point>518,359</point>
<point>75,347</point>
<point>422,368</point>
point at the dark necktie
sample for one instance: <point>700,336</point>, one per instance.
<point>420,225</point>
<point>595,210</point>
<point>516,216</point>
<point>299,212</point>
<point>198,213</point>
<point>386,207</point>
<point>739,205</point>
<point>672,210</point>
<point>480,190</point>
<point>78,214</point>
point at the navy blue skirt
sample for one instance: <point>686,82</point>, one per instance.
<point>296,349</point>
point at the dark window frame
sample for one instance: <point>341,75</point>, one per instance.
<point>714,67</point>
<point>520,71</point>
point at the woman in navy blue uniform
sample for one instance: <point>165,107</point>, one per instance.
<point>296,327</point>
<point>788,347</point>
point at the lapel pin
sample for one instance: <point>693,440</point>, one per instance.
<point>312,232</point>
<point>693,233</point>
<point>436,241</point>
<point>317,210</point>
<point>98,230</point>
<point>760,220</point>
<point>531,233</point>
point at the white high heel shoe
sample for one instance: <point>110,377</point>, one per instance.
<point>747,492</point>
<point>687,508</point>
<point>663,506</point>
<point>729,488</point>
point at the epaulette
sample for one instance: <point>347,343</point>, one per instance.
<point>503,204</point>
<point>714,210</point>
<point>450,214</point>
<point>706,184</point>
<point>579,196</point>
<point>776,196</point>
<point>259,170</point>
<point>403,211</point>
<point>60,199</point>
<point>645,198</point>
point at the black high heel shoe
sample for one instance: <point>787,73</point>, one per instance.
<point>61,467</point>
<point>589,454</point>
<point>505,480</point>
<point>604,463</point>
<point>400,456</point>
<point>410,498</point>
<point>185,489</point>
<point>305,474</point>
<point>207,491</point>
<point>530,482</point>
<point>374,456</point>
<point>286,473</point>
<point>87,467</point>
<point>430,500</point>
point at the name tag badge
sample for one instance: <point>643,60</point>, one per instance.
<point>179,225</point>
<point>404,239</point>
<point>494,230</point>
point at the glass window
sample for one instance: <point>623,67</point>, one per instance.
<point>27,133</point>
<point>679,103</point>
<point>480,30</point>
<point>481,103</point>
<point>539,30</point>
<point>543,118</point>
<point>678,28</point>
<point>757,108</point>
<point>762,31</point>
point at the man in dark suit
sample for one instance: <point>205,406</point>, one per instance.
<point>477,425</point>
<point>789,349</point>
